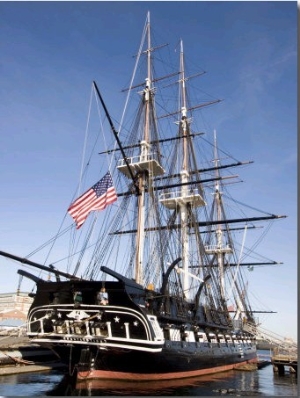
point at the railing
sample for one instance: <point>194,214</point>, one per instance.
<point>178,194</point>
<point>217,248</point>
<point>137,159</point>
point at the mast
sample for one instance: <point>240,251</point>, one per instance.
<point>185,198</point>
<point>144,175</point>
<point>184,179</point>
<point>219,249</point>
<point>146,165</point>
<point>219,233</point>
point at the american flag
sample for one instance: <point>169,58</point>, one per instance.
<point>98,197</point>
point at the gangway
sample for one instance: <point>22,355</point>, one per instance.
<point>277,341</point>
<point>284,351</point>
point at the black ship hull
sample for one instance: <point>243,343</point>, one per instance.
<point>132,335</point>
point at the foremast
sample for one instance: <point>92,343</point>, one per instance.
<point>147,164</point>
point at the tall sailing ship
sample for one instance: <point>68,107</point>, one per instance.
<point>158,290</point>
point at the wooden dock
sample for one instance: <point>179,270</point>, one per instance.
<point>282,361</point>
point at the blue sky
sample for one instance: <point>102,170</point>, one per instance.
<point>51,52</point>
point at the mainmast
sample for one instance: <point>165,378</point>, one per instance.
<point>185,198</point>
<point>184,124</point>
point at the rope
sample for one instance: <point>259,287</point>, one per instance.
<point>23,361</point>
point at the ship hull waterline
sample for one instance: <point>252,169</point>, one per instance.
<point>140,377</point>
<point>170,364</point>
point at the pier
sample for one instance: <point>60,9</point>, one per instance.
<point>282,361</point>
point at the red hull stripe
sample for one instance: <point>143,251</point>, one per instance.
<point>104,374</point>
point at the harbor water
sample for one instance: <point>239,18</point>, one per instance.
<point>262,382</point>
